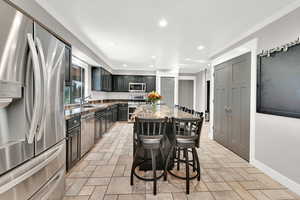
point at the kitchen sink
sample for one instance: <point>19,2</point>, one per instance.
<point>88,106</point>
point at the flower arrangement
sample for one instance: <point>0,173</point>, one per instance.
<point>154,97</point>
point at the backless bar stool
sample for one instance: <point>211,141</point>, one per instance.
<point>149,136</point>
<point>187,136</point>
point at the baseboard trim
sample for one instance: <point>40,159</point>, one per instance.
<point>290,184</point>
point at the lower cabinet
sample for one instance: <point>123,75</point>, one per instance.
<point>123,112</point>
<point>84,131</point>
<point>73,147</point>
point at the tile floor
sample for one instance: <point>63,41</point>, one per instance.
<point>104,173</point>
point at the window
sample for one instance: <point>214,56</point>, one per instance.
<point>75,92</point>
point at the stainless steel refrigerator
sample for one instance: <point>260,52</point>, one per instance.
<point>32,125</point>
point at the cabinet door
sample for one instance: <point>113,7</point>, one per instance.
<point>68,56</point>
<point>150,83</point>
<point>123,113</point>
<point>96,78</point>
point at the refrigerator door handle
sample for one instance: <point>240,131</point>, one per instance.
<point>51,155</point>
<point>38,90</point>
<point>45,87</point>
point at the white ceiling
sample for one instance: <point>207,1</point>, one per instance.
<point>127,32</point>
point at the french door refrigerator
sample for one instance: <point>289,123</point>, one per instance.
<point>32,125</point>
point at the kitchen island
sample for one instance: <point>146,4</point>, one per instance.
<point>156,112</point>
<point>160,111</point>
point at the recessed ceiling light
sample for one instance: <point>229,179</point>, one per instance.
<point>200,47</point>
<point>124,65</point>
<point>188,59</point>
<point>151,66</point>
<point>153,57</point>
<point>163,23</point>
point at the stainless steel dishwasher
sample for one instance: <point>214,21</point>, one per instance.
<point>87,132</point>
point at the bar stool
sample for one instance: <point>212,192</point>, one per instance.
<point>187,136</point>
<point>177,106</point>
<point>198,114</point>
<point>149,136</point>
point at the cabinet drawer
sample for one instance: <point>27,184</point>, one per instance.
<point>73,122</point>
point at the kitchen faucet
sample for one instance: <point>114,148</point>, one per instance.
<point>83,99</point>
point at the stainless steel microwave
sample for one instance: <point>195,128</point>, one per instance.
<point>137,87</point>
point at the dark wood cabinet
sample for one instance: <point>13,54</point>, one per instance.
<point>115,113</point>
<point>96,79</point>
<point>121,82</point>
<point>123,112</point>
<point>73,140</point>
<point>101,79</point>
<point>68,61</point>
<point>150,83</point>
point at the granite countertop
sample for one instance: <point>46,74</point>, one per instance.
<point>77,111</point>
<point>160,111</point>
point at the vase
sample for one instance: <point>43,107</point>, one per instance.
<point>154,105</point>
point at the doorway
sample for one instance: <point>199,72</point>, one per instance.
<point>167,87</point>
<point>232,104</point>
<point>186,93</point>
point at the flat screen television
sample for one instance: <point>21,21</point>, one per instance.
<point>278,83</point>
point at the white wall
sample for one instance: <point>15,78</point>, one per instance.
<point>277,138</point>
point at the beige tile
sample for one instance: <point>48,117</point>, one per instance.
<point>104,174</point>
<point>221,186</point>
<point>200,195</point>
<point>252,170</point>
<point>119,170</point>
<point>110,197</point>
<point>226,195</point>
<point>98,181</point>
<point>252,185</point>
<point>98,193</point>
<point>179,196</point>
<point>90,168</point>
<point>277,194</point>
<point>121,185</point>
<point>268,182</point>
<point>103,171</point>
<point>94,156</point>
<point>241,191</point>
<point>200,186</point>
<point>132,197</point>
<point>159,196</point>
<point>77,198</point>
<point>75,188</point>
<point>258,194</point>
<point>86,190</point>
<point>80,174</point>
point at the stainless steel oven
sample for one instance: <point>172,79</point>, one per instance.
<point>137,87</point>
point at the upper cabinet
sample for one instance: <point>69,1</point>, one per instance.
<point>68,56</point>
<point>121,82</point>
<point>150,83</point>
<point>101,79</point>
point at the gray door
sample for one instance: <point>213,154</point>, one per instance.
<point>167,87</point>
<point>52,58</point>
<point>186,93</point>
<point>232,105</point>
<point>17,105</point>
<point>239,105</point>
<point>220,104</point>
